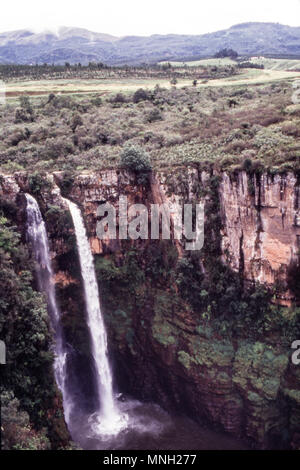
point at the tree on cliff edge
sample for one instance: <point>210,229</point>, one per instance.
<point>137,161</point>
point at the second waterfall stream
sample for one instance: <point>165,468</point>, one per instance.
<point>37,236</point>
<point>109,420</point>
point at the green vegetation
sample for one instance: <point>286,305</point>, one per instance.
<point>18,433</point>
<point>122,285</point>
<point>226,53</point>
<point>208,127</point>
<point>27,385</point>
<point>98,71</point>
<point>38,182</point>
<point>214,62</point>
<point>185,359</point>
<point>162,332</point>
<point>217,302</point>
<point>137,161</point>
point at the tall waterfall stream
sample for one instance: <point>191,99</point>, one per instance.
<point>37,236</point>
<point>115,424</point>
<point>110,419</point>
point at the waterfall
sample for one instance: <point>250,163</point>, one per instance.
<point>109,420</point>
<point>37,235</point>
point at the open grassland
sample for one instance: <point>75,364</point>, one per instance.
<point>85,86</point>
<point>268,63</point>
<point>214,62</point>
<point>277,64</point>
<point>254,76</point>
<point>107,86</point>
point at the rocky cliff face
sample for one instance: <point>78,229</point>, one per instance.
<point>261,227</point>
<point>244,384</point>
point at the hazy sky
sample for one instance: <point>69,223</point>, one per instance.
<point>144,17</point>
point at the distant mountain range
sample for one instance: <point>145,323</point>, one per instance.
<point>80,45</point>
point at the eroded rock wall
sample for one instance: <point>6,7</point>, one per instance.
<point>261,226</point>
<point>162,350</point>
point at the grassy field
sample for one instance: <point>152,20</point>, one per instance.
<point>71,87</point>
<point>254,76</point>
<point>277,64</point>
<point>268,63</point>
<point>102,87</point>
<point>203,62</point>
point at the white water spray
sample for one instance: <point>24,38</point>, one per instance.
<point>109,420</point>
<point>37,235</point>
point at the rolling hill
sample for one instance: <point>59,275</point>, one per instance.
<point>80,45</point>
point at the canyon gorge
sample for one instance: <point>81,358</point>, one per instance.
<point>207,334</point>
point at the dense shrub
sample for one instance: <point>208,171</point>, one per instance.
<point>154,115</point>
<point>39,134</point>
<point>141,95</point>
<point>16,430</point>
<point>97,101</point>
<point>38,182</point>
<point>16,136</point>
<point>226,52</point>
<point>57,147</point>
<point>69,132</point>
<point>67,182</point>
<point>76,121</point>
<point>21,115</point>
<point>136,160</point>
<point>25,112</point>
<point>118,98</point>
